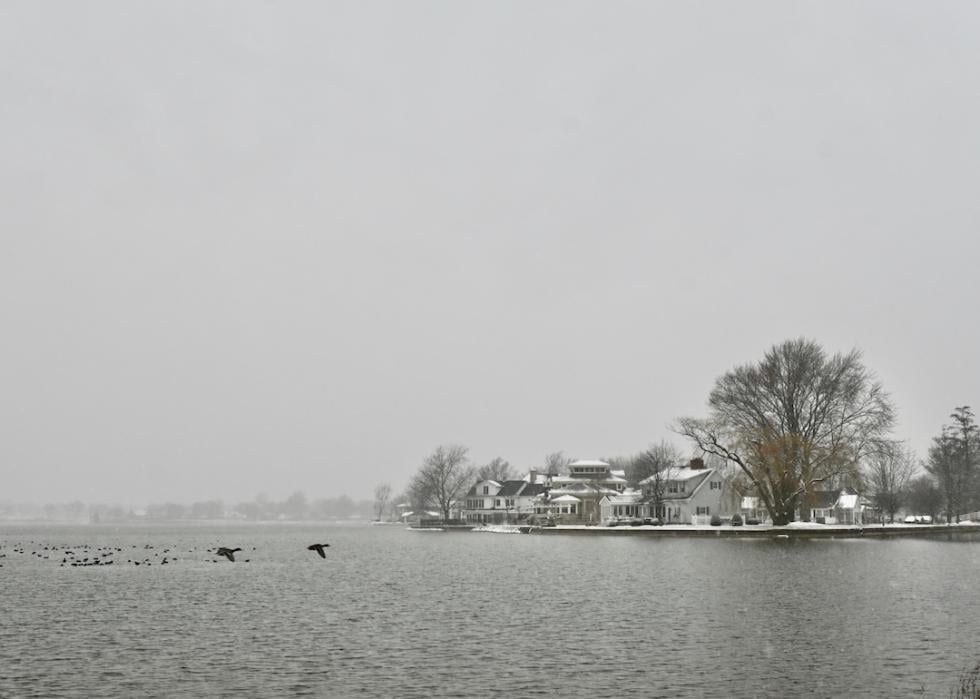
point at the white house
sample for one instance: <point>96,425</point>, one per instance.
<point>684,495</point>
<point>836,507</point>
<point>493,502</point>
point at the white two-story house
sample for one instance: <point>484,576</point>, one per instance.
<point>505,502</point>
<point>687,495</point>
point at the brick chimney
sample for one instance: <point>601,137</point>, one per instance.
<point>532,476</point>
<point>696,464</point>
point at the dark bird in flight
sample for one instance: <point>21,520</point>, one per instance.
<point>318,548</point>
<point>227,553</point>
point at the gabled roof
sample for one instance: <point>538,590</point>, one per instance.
<point>510,488</point>
<point>693,479</point>
<point>533,489</point>
<point>631,498</point>
<point>514,488</point>
<point>687,473</point>
<point>679,474</point>
<point>472,491</point>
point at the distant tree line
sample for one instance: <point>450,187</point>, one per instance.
<point>297,507</point>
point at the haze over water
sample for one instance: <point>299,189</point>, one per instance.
<point>265,247</point>
<point>392,612</point>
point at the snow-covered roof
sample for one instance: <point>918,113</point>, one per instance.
<point>687,473</point>
<point>631,498</point>
<point>679,474</point>
<point>847,501</point>
<point>588,462</point>
<point>582,489</point>
<point>565,498</point>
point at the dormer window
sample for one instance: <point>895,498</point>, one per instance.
<point>486,490</point>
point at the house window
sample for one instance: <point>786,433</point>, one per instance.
<point>498,502</point>
<point>716,485</point>
<point>704,510</point>
<point>672,488</point>
<point>486,490</point>
<point>683,487</point>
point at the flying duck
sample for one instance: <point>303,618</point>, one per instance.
<point>227,553</point>
<point>318,548</point>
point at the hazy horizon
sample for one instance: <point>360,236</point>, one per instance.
<point>259,248</point>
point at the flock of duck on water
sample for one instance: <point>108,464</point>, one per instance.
<point>84,555</point>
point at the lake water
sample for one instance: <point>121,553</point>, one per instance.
<point>398,613</point>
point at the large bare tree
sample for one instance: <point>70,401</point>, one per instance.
<point>443,478</point>
<point>890,471</point>
<point>793,421</point>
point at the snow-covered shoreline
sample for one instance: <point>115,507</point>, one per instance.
<point>792,530</point>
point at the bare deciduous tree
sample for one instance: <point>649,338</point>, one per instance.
<point>654,466</point>
<point>382,495</point>
<point>652,461</point>
<point>442,479</point>
<point>794,420</point>
<point>556,463</point>
<point>890,471</point>
<point>497,469</point>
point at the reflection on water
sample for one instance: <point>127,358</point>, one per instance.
<point>390,612</point>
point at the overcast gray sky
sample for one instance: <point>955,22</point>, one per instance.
<point>255,247</point>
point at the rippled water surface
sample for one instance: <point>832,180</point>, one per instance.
<point>397,613</point>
